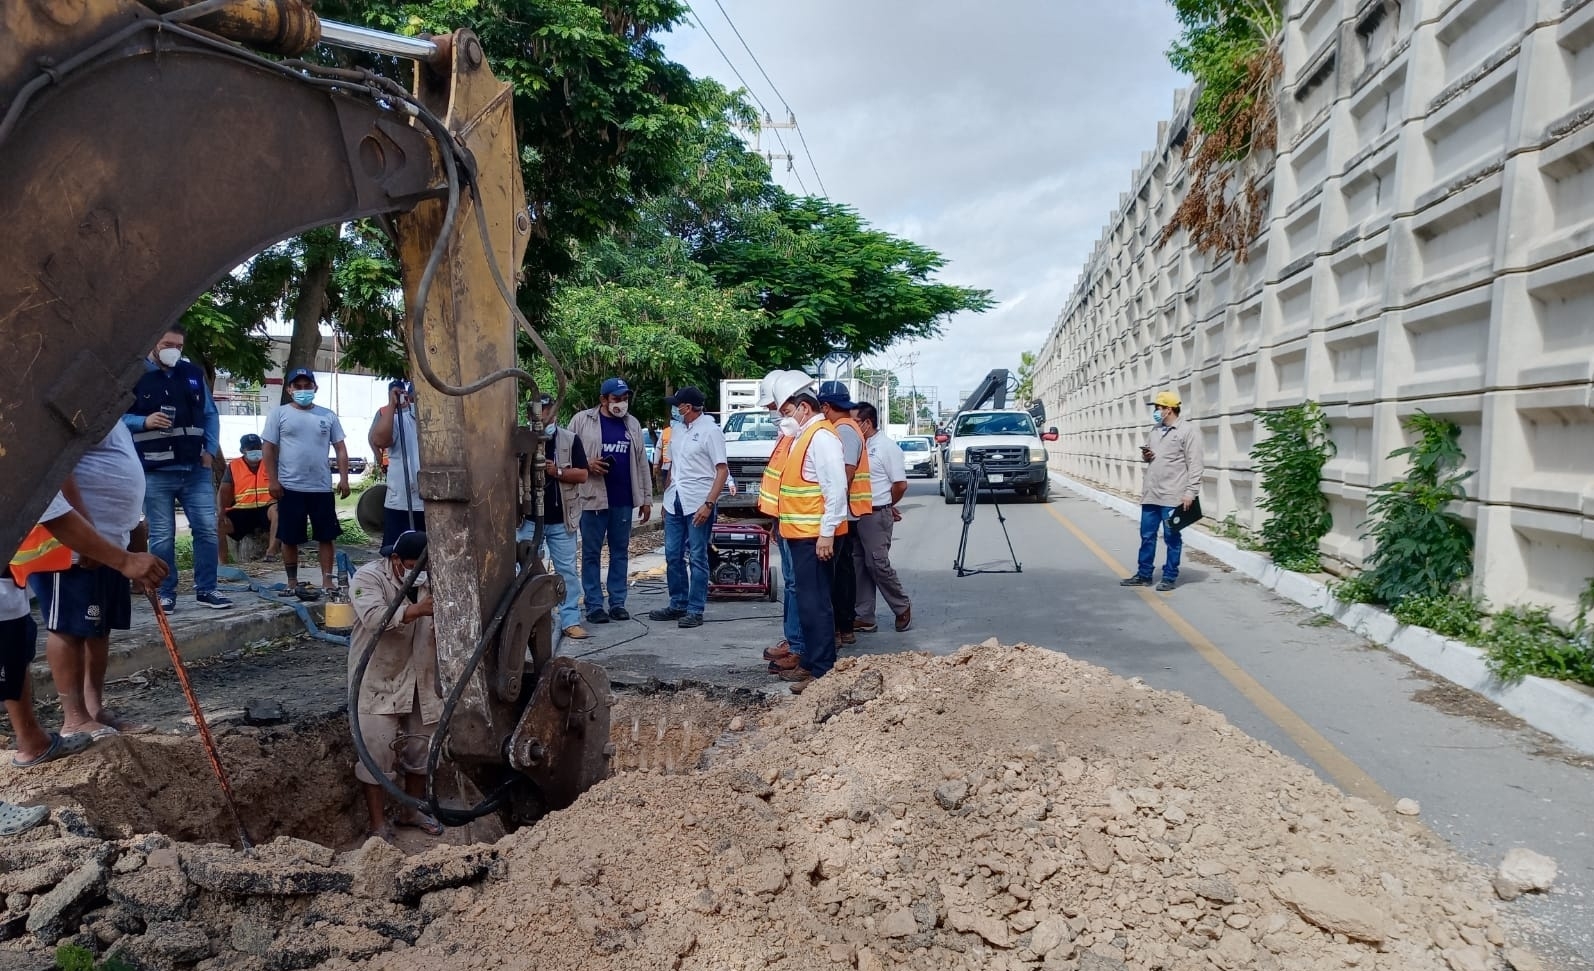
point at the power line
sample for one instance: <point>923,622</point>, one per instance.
<point>749,88</point>
<point>782,97</point>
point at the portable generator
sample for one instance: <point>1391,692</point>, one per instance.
<point>739,564</point>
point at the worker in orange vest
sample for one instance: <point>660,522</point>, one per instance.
<point>790,647</point>
<point>245,498</point>
<point>836,403</point>
<point>812,510</point>
<point>48,550</point>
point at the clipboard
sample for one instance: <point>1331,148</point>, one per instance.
<point>1184,517</point>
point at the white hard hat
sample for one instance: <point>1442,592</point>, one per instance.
<point>790,384</point>
<point>766,393</point>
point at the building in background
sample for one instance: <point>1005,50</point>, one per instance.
<point>1430,245</point>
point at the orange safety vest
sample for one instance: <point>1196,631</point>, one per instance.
<point>250,489</point>
<point>40,552</point>
<point>802,503</point>
<point>664,445</point>
<point>769,482</point>
<point>860,494</point>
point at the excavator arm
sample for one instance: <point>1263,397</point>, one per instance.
<point>147,149</point>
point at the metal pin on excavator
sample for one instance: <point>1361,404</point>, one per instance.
<point>146,149</point>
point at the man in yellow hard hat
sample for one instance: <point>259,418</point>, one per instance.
<point>1172,453</point>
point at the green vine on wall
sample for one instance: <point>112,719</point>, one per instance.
<point>1290,461</point>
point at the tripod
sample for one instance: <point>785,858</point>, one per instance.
<point>970,499</point>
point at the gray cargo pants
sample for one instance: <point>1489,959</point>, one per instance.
<point>871,554</point>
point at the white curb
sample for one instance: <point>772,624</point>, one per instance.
<point>1556,708</point>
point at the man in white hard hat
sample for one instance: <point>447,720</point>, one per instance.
<point>791,645</point>
<point>812,509</point>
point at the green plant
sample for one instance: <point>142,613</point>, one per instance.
<point>1523,640</point>
<point>183,550</point>
<point>352,534</point>
<point>1230,529</point>
<point>1290,461</point>
<point>1581,628</point>
<point>1452,616</point>
<point>1353,590</point>
<point>73,957</point>
<point>1420,547</point>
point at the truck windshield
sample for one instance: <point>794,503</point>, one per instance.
<point>754,426</point>
<point>995,423</point>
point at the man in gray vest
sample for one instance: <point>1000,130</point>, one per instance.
<point>619,487</point>
<point>565,464</point>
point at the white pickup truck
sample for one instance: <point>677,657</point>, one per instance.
<point>749,441</point>
<point>1006,444</point>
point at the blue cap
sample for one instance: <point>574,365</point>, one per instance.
<point>297,373</point>
<point>614,386</point>
<point>836,395</point>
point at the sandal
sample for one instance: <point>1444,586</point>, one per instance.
<point>61,746</point>
<point>424,823</point>
<point>122,726</point>
<point>16,820</point>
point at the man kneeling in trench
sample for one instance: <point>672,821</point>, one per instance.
<point>398,701</point>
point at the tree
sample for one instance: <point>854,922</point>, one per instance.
<point>832,286</point>
<point>1026,377</point>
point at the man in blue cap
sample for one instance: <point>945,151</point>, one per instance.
<point>836,402</point>
<point>297,437</point>
<point>619,482</point>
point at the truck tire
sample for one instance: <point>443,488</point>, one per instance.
<point>948,493</point>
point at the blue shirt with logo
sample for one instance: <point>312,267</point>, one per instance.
<point>617,449</point>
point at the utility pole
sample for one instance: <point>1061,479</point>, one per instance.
<point>908,361</point>
<point>772,157</point>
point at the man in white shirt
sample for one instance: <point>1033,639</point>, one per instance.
<point>812,510</point>
<point>697,477</point>
<point>888,480</point>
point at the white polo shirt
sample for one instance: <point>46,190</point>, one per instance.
<point>696,450</point>
<point>886,467</point>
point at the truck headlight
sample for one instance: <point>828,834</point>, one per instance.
<point>1037,453</point>
<point>956,456</point>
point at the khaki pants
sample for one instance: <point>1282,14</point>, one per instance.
<point>397,743</point>
<point>871,551</point>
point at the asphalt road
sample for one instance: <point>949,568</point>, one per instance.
<point>1364,719</point>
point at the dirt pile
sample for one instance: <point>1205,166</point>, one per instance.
<point>1006,807</point>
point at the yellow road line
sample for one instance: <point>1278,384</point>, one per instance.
<point>1346,774</point>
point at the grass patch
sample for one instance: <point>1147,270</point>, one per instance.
<point>1522,641</point>
<point>1457,617</point>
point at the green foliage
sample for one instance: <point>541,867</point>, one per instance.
<point>1217,45</point>
<point>1290,461</point>
<point>183,551</point>
<point>1523,641</point>
<point>75,957</point>
<point>1420,546</point>
<point>352,534</point>
<point>1452,616</point>
<point>1353,590</point>
<point>1026,376</point>
<point>1230,529</point>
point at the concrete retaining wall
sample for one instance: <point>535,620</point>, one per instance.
<point>1430,245</point>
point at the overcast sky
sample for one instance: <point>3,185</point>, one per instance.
<point>999,133</point>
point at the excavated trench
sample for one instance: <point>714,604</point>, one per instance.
<point>297,779</point>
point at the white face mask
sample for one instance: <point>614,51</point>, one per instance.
<point>790,427</point>
<point>169,356</point>
<point>619,408</point>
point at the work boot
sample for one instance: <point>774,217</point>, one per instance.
<point>786,663</point>
<point>1135,581</point>
<point>868,628</point>
<point>783,649</point>
<point>1164,585</point>
<point>690,620</point>
<point>576,632</point>
<point>904,620</point>
<point>599,616</point>
<point>846,638</point>
<point>619,613</point>
<point>798,677</point>
<point>666,613</point>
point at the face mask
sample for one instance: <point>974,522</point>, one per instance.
<point>169,356</point>
<point>619,408</point>
<point>675,414</point>
<point>1156,416</point>
<point>253,455</point>
<point>304,398</point>
<point>789,426</point>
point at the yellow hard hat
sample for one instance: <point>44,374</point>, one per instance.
<point>1167,399</point>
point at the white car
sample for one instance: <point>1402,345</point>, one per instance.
<point>918,455</point>
<point>749,441</point>
<point>1005,445</point>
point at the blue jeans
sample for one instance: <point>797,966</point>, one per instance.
<point>598,526</point>
<point>559,545</point>
<point>793,626</point>
<point>686,561</point>
<point>1150,518</point>
<point>197,492</point>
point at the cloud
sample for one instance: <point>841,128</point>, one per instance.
<point>998,133</point>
